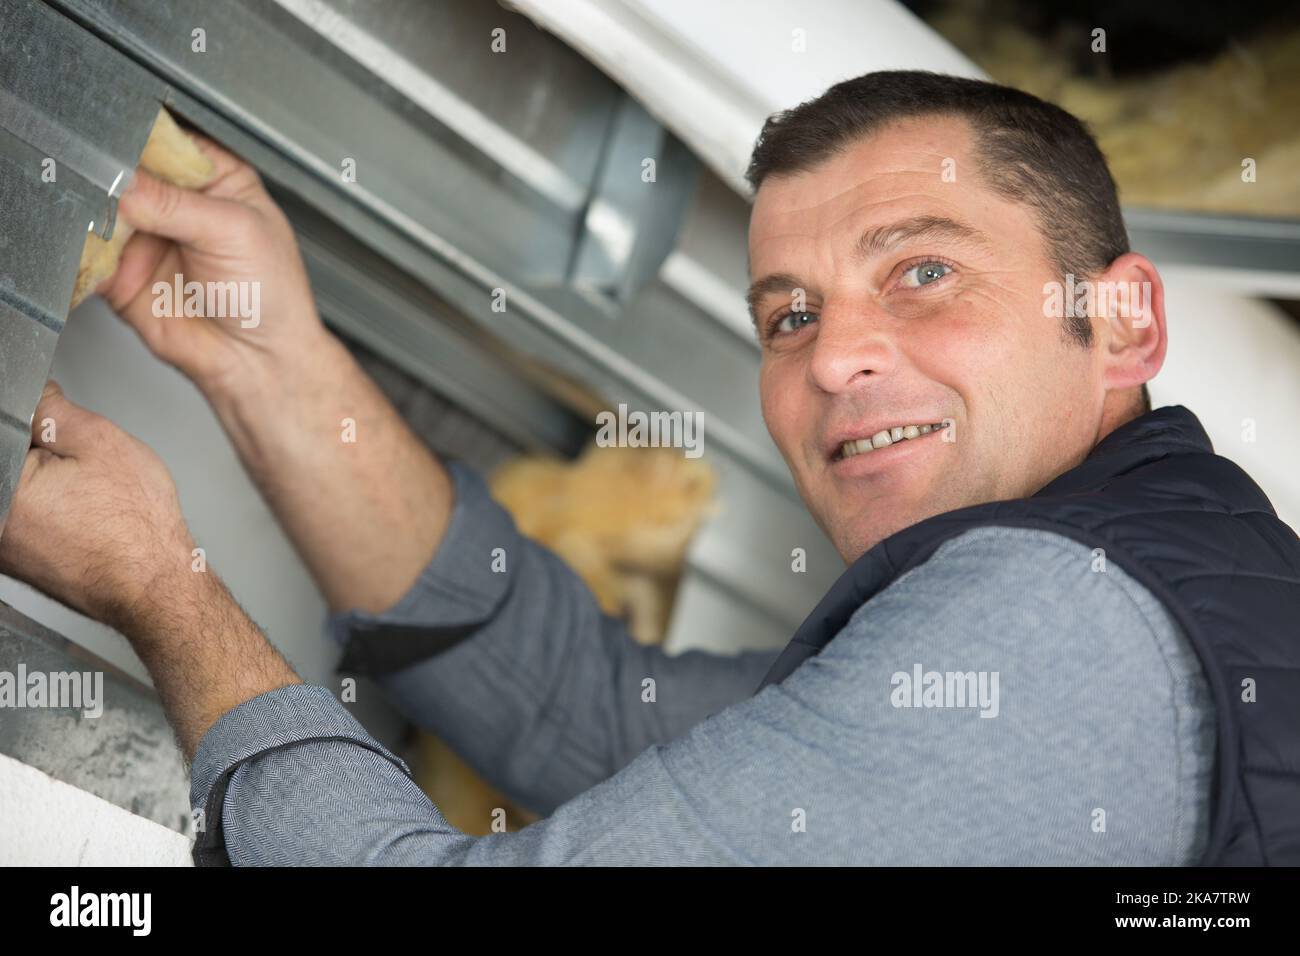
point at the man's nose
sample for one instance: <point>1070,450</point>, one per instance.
<point>853,342</point>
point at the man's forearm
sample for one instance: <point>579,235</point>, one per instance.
<point>361,497</point>
<point>202,651</point>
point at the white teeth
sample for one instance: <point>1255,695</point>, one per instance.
<point>885,438</point>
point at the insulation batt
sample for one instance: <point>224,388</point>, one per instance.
<point>1175,139</point>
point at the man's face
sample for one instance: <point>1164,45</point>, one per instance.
<point>922,301</point>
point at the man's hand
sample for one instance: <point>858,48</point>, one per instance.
<point>363,500</point>
<point>95,522</point>
<point>230,231</point>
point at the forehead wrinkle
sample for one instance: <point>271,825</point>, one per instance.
<point>883,238</point>
<point>856,210</point>
<point>855,206</point>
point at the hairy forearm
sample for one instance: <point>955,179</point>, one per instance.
<point>202,651</point>
<point>361,497</point>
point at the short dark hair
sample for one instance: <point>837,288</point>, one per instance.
<point>1028,150</point>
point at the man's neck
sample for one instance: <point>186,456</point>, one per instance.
<point>1119,409</point>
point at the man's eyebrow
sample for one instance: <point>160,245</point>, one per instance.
<point>883,238</point>
<point>769,284</point>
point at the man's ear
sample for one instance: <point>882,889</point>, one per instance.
<point>1132,333</point>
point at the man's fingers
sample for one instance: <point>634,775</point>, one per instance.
<point>224,161</point>
<point>232,177</point>
<point>187,217</point>
<point>142,258</point>
<point>63,427</point>
<point>37,458</point>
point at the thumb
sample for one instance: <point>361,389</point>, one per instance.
<point>154,205</point>
<point>63,427</point>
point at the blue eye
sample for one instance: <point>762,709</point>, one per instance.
<point>926,273</point>
<point>792,321</point>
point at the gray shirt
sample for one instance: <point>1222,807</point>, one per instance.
<point>1007,702</point>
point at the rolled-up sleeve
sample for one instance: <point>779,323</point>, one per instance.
<point>261,755</point>
<point>504,653</point>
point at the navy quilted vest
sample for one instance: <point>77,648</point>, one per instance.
<point>1201,536</point>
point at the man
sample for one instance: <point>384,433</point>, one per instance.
<point>1028,544</point>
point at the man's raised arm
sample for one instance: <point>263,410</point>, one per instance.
<point>364,515</point>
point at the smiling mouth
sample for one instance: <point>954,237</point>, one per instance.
<point>884,438</point>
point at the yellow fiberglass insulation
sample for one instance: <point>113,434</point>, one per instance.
<point>1174,139</point>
